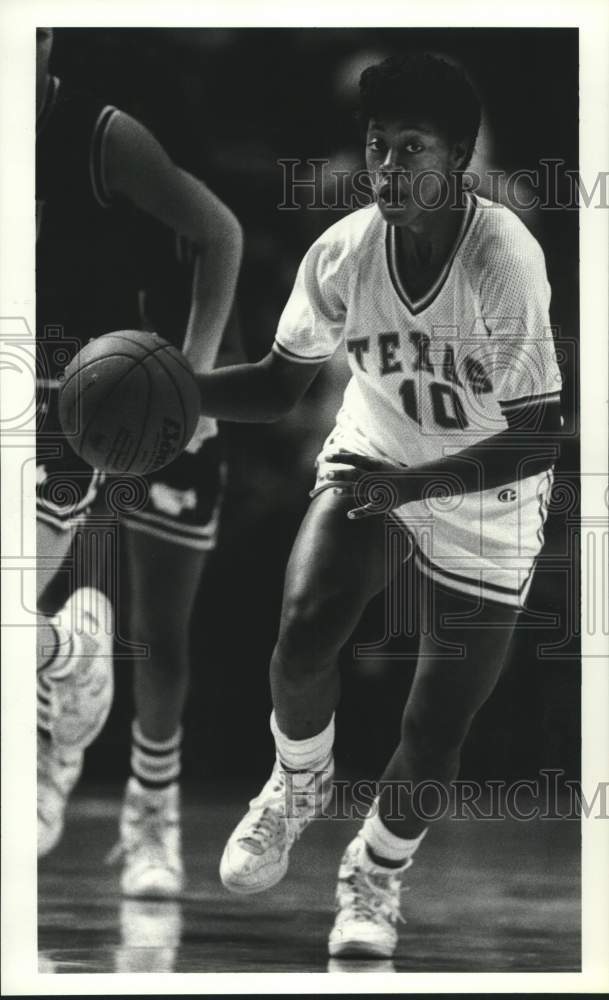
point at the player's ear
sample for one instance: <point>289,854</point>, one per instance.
<point>458,154</point>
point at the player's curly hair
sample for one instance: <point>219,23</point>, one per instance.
<point>427,86</point>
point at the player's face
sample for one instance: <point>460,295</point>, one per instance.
<point>410,165</point>
<point>44,44</point>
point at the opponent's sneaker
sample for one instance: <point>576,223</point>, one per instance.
<point>368,905</point>
<point>80,699</point>
<point>256,855</point>
<point>58,771</point>
<point>150,842</point>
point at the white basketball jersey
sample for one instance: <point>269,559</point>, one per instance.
<point>434,376</point>
<point>438,374</point>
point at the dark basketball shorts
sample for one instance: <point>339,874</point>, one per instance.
<point>65,485</point>
<point>180,503</point>
<point>184,500</point>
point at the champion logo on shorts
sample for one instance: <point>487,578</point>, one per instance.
<point>505,496</point>
<point>170,500</point>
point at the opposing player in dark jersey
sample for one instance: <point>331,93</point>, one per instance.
<point>98,172</point>
<point>442,300</point>
<point>167,542</point>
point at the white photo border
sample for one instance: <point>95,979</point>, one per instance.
<point>18,19</point>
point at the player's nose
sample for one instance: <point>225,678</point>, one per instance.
<point>391,161</point>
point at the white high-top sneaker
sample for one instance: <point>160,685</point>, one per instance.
<point>80,701</point>
<point>256,855</point>
<point>76,706</point>
<point>58,772</point>
<point>368,905</point>
<point>150,842</point>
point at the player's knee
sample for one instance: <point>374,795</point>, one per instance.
<point>311,628</point>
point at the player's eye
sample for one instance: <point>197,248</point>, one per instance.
<point>375,144</point>
<point>414,147</point>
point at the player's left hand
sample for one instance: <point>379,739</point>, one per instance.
<point>377,486</point>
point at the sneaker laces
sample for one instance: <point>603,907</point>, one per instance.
<point>268,817</point>
<point>368,895</point>
<point>264,829</point>
<point>148,835</point>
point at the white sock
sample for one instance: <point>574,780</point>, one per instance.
<point>156,764</point>
<point>310,755</point>
<point>384,843</point>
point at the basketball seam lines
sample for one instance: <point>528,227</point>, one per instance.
<point>104,400</point>
<point>144,421</point>
<point>160,347</point>
<point>149,353</point>
<point>183,443</point>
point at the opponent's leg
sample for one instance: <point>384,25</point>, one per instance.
<point>167,542</point>
<point>446,694</point>
<point>164,579</point>
<point>52,641</point>
<point>52,545</point>
<point>335,568</point>
<point>74,685</point>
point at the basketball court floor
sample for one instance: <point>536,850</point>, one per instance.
<point>484,896</point>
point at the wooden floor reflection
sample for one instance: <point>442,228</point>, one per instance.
<point>483,896</point>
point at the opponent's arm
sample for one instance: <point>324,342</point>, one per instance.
<point>255,393</point>
<point>138,168</point>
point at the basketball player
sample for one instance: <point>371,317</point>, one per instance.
<point>442,299</point>
<point>167,543</point>
<point>98,173</point>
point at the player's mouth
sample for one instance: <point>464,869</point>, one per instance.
<point>392,192</point>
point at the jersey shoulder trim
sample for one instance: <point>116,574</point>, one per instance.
<point>97,154</point>
<point>299,359</point>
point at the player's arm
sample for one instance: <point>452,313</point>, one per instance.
<point>137,167</point>
<point>309,330</point>
<point>255,393</point>
<point>506,457</point>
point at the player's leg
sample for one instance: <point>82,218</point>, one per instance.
<point>52,546</point>
<point>335,568</point>
<point>164,578</point>
<point>74,695</point>
<point>167,544</point>
<point>74,647</point>
<point>459,664</point>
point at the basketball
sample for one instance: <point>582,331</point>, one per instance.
<point>129,402</point>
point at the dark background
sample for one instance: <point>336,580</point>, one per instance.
<point>228,104</point>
